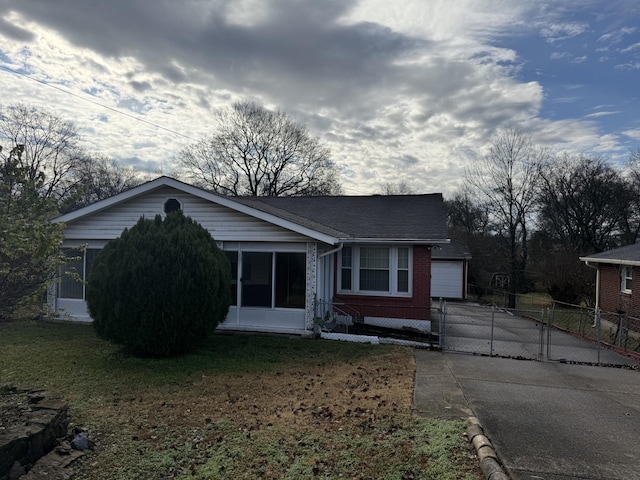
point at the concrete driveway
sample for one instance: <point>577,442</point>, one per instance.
<point>546,420</point>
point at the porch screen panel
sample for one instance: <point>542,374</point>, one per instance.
<point>256,279</point>
<point>74,273</point>
<point>291,280</point>
<point>233,260</point>
<point>374,269</point>
<point>71,275</point>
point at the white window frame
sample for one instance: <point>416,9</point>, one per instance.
<point>393,272</point>
<point>626,275</point>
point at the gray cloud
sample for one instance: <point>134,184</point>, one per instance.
<point>14,31</point>
<point>387,97</point>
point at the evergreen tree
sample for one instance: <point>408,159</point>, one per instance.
<point>161,288</point>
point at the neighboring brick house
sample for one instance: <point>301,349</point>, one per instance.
<point>617,272</point>
<point>369,254</point>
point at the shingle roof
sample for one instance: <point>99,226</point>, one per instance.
<point>629,255</point>
<point>377,217</point>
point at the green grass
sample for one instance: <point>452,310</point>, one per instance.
<point>231,409</point>
<point>419,448</point>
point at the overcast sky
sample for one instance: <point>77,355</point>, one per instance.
<point>400,90</point>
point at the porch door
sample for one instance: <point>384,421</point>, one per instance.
<point>257,279</point>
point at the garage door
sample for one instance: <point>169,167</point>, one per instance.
<point>446,279</point>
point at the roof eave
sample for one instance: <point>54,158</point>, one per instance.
<point>400,241</point>
<point>611,261</point>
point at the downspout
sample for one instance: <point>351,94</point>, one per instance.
<point>595,314</point>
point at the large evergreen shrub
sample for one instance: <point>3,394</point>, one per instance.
<point>161,288</point>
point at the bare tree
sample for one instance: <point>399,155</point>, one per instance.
<point>50,146</point>
<point>506,179</point>
<point>584,204</point>
<point>400,188</point>
<point>97,177</point>
<point>256,151</point>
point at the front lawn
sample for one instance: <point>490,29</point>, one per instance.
<point>244,406</point>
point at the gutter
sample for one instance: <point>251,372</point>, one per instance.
<point>398,241</point>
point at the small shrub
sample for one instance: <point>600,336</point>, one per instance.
<point>161,288</point>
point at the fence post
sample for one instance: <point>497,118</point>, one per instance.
<point>550,316</point>
<point>443,324</point>
<point>493,316</point>
<point>541,352</point>
<point>598,333</point>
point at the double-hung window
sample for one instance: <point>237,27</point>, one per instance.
<point>375,270</point>
<point>626,279</point>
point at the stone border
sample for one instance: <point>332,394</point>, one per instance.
<point>489,463</point>
<point>47,420</point>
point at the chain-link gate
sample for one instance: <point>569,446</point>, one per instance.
<point>525,334</point>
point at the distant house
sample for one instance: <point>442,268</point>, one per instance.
<point>617,270</point>
<point>449,270</point>
<point>369,256</point>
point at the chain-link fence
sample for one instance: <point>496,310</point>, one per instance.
<point>612,337</point>
<point>490,330</point>
<point>560,332</point>
<point>538,329</point>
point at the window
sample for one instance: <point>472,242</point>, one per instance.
<point>375,269</point>
<point>626,280</point>
<point>291,283</point>
<point>403,270</point>
<point>257,277</point>
<point>346,268</point>
<point>270,279</point>
<point>172,205</point>
<point>74,274</point>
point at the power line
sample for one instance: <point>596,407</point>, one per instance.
<point>138,119</point>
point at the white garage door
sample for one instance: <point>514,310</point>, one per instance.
<point>446,279</point>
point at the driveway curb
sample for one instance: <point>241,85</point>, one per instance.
<point>489,464</point>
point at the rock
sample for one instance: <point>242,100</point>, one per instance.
<point>80,442</point>
<point>16,471</point>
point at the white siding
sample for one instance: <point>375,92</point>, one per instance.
<point>223,223</point>
<point>447,279</point>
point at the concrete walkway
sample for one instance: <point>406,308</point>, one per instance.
<point>546,420</point>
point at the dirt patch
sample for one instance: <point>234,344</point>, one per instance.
<point>347,397</point>
<point>14,407</point>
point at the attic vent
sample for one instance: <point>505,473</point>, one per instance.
<point>172,205</point>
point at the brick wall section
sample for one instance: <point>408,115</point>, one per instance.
<point>417,307</point>
<point>612,299</point>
